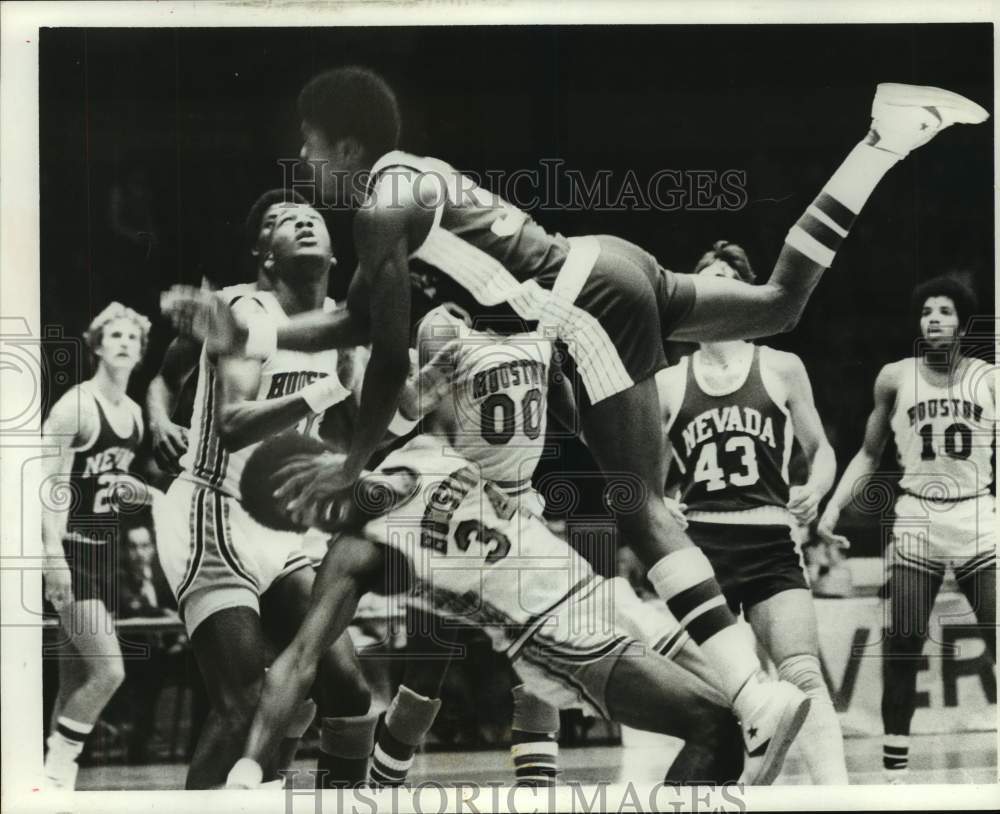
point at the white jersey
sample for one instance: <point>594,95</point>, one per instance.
<point>497,403</point>
<point>285,372</point>
<point>470,553</point>
<point>944,433</point>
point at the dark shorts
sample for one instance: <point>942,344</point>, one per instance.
<point>93,571</point>
<point>612,299</point>
<point>752,563</point>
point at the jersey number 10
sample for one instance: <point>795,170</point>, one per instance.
<point>957,441</point>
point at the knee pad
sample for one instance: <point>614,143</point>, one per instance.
<point>349,737</point>
<point>805,673</point>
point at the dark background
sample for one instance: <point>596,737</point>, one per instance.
<point>196,120</point>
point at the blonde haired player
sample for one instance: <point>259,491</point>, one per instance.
<point>98,429</point>
<point>940,409</point>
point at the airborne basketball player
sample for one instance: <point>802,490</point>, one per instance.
<point>940,408</point>
<point>421,222</point>
<point>730,412</point>
<point>98,428</point>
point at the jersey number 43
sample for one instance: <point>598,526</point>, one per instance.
<point>715,478</point>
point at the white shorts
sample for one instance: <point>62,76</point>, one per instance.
<point>933,535</point>
<point>569,660</point>
<point>214,555</point>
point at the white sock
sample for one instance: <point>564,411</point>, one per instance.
<point>821,230</point>
<point>821,740</point>
<point>67,739</point>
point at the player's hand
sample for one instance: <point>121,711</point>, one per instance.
<point>426,386</point>
<point>311,482</point>
<point>58,582</point>
<point>677,509</point>
<point>200,314</point>
<point>803,503</point>
<point>825,529</point>
<point>170,442</point>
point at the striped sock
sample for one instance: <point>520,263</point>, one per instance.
<point>819,233</point>
<point>896,753</point>
<point>67,740</point>
<point>534,746</point>
<point>686,581</point>
<point>401,731</point>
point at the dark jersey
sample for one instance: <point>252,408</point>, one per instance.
<point>93,517</point>
<point>479,250</point>
<point>733,449</point>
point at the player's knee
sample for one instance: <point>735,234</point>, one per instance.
<point>804,672</point>
<point>108,677</point>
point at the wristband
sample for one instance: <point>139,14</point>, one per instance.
<point>262,337</point>
<point>401,425</point>
<point>323,393</point>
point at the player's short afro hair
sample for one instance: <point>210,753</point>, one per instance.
<point>260,207</point>
<point>353,102</point>
<point>258,482</point>
<point>732,255</point>
<point>946,285</point>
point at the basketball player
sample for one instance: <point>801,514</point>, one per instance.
<point>939,408</point>
<point>181,357</point>
<point>464,548</point>
<point>223,566</point>
<point>730,412</point>
<point>98,429</point>
<point>486,395</point>
<point>420,222</point>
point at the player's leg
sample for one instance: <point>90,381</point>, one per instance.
<point>624,434</point>
<point>348,569</point>
<point>430,645</point>
<point>656,695</point>
<point>90,628</point>
<point>979,584</point>
<point>903,118</point>
<point>785,623</point>
<point>340,691</point>
<point>229,646</point>
<point>912,591</point>
<point>534,741</point>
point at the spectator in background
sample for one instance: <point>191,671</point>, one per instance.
<point>144,592</point>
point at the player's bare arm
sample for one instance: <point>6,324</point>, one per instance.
<point>71,423</point>
<point>804,499</point>
<point>670,383</point>
<point>382,232</point>
<point>865,462</point>
<point>179,362</point>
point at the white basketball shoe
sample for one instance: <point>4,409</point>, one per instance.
<point>905,117</point>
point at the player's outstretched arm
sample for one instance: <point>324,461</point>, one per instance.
<point>170,439</point>
<point>804,499</point>
<point>866,461</point>
<point>349,568</point>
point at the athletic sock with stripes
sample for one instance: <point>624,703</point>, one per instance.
<point>819,233</point>
<point>400,733</point>
<point>896,753</point>
<point>345,746</point>
<point>65,745</point>
<point>685,580</point>
<point>534,742</point>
